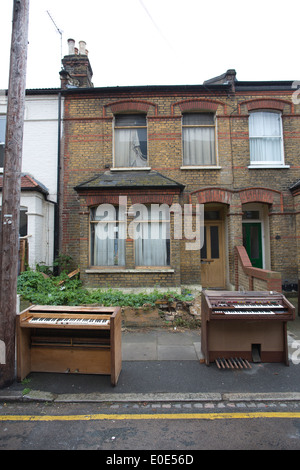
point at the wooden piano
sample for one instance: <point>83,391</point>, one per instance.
<point>250,326</point>
<point>76,339</point>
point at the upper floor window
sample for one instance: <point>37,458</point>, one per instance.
<point>266,142</point>
<point>198,134</point>
<point>130,140</point>
<point>2,139</point>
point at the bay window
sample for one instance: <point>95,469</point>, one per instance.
<point>152,242</point>
<point>107,240</point>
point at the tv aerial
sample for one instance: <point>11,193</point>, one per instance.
<point>59,32</point>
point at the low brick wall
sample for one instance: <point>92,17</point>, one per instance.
<point>250,278</point>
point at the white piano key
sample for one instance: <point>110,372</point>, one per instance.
<point>250,312</point>
<point>248,306</point>
<point>69,321</point>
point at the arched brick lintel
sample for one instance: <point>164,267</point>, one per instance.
<point>213,195</point>
<point>263,195</point>
<point>267,103</point>
<point>130,105</point>
<point>224,196</point>
<point>197,105</point>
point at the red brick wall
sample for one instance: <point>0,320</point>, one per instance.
<point>251,278</point>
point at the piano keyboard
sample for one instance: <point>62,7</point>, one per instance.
<point>248,312</point>
<point>68,321</point>
<point>249,306</point>
<point>250,309</point>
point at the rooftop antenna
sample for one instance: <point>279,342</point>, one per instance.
<point>59,32</point>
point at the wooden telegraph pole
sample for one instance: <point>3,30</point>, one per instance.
<point>9,238</point>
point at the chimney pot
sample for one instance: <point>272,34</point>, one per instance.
<point>82,47</point>
<point>71,44</point>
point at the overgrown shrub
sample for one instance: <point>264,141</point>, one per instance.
<point>39,289</point>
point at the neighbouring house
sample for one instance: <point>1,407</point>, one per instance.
<point>39,222</point>
<point>229,146</point>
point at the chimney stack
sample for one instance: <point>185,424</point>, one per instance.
<point>77,70</point>
<point>230,77</point>
<point>227,78</point>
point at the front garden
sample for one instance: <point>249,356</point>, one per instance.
<point>39,288</point>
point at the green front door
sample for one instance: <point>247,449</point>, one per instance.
<point>253,243</point>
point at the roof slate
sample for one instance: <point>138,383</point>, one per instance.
<point>129,179</point>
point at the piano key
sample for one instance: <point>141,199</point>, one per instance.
<point>248,306</point>
<point>248,312</point>
<point>69,321</point>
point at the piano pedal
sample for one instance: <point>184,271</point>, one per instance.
<point>232,363</point>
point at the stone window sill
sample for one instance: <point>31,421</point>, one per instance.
<point>201,167</point>
<point>125,168</point>
<point>262,167</point>
<point>131,271</point>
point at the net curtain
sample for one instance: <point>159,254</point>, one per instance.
<point>199,141</point>
<point>109,237</point>
<point>265,137</point>
<point>151,234</point>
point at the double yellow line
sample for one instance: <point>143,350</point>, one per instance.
<point>174,416</point>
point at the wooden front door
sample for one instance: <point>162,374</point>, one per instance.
<point>213,256</point>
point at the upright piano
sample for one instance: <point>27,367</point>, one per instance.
<point>76,339</point>
<point>248,326</point>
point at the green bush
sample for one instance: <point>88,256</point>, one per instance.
<point>39,289</point>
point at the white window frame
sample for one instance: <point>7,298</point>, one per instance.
<point>267,163</point>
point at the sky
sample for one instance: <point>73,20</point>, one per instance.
<point>159,42</point>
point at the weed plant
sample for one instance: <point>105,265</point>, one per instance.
<point>39,289</point>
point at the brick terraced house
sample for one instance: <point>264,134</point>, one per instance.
<point>231,146</point>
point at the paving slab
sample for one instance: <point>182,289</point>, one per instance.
<point>139,351</point>
<point>175,353</point>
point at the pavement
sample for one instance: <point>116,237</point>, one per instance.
<point>166,365</point>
